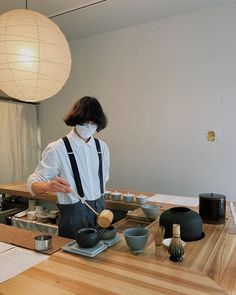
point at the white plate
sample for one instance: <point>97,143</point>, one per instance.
<point>166,242</point>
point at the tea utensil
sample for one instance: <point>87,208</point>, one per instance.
<point>104,218</point>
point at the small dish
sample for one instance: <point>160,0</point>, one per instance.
<point>166,242</point>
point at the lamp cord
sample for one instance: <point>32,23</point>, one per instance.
<point>62,13</point>
<point>71,10</point>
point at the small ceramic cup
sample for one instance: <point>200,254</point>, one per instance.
<point>39,209</point>
<point>42,217</point>
<point>136,238</point>
<point>107,195</point>
<point>141,199</point>
<point>151,210</point>
<point>31,215</point>
<point>31,204</point>
<point>53,214</point>
<point>115,196</point>
<point>128,198</point>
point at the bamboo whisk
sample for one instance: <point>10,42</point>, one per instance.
<point>176,249</point>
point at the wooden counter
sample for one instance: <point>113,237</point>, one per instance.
<point>209,267</point>
<point>20,189</point>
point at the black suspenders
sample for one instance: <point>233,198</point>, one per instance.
<point>100,174</point>
<point>75,167</point>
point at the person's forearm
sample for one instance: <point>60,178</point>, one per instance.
<point>40,187</point>
<point>52,186</point>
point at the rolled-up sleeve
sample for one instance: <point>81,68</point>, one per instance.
<point>47,168</point>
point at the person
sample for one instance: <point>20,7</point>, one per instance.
<point>78,163</point>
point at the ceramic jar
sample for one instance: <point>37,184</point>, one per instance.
<point>190,223</point>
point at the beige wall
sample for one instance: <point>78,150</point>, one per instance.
<point>163,85</point>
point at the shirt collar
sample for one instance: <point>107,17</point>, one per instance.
<point>79,141</point>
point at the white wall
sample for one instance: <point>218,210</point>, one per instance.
<point>163,85</point>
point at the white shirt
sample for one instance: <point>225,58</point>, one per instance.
<point>55,162</point>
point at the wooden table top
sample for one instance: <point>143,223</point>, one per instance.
<point>209,267</point>
<point>20,189</point>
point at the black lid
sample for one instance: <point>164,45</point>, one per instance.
<point>211,196</point>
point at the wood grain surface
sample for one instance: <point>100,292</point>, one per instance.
<point>20,189</point>
<point>25,238</point>
<point>209,267</point>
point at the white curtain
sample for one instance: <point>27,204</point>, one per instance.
<point>18,141</point>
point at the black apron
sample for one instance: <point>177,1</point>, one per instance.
<point>75,216</point>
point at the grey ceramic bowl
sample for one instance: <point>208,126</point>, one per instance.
<point>108,233</point>
<point>128,198</point>
<point>115,196</point>
<point>136,238</point>
<point>151,210</point>
<point>141,199</point>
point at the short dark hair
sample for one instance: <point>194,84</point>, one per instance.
<point>84,110</point>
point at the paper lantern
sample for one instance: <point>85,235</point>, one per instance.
<point>35,58</point>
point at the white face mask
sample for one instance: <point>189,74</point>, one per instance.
<point>86,130</point>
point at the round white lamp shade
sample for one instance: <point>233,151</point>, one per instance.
<point>35,58</point>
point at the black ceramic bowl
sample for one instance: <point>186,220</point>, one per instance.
<point>87,237</point>
<point>190,223</point>
<point>108,233</point>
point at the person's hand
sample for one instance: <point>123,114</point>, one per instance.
<point>58,184</point>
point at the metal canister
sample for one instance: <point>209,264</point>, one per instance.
<point>43,242</point>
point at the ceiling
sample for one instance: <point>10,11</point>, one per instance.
<point>101,16</point>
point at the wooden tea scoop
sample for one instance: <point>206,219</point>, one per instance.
<point>104,219</point>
